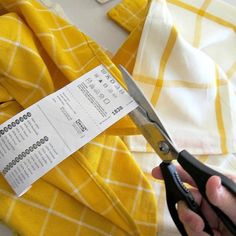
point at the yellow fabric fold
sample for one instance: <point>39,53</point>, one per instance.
<point>128,13</point>
<point>99,190</point>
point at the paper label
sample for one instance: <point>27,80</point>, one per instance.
<point>38,138</point>
<point>103,1</point>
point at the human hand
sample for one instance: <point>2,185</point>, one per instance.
<point>216,194</point>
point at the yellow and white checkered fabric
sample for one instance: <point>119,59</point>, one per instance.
<point>183,56</point>
<point>186,72</point>
<point>99,190</point>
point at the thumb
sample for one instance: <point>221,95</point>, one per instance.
<point>219,196</point>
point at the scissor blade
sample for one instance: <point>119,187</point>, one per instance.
<point>140,98</point>
<point>152,133</point>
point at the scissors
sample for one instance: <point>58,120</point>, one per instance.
<point>146,119</point>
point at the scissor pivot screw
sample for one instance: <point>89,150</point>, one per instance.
<point>164,147</point>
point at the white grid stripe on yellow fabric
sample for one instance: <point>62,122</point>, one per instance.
<point>10,209</point>
<point>12,18</point>
<point>77,46</point>
<point>125,185</point>
<point>52,37</point>
<point>140,10</point>
<point>145,223</point>
<point>18,44</point>
<point>54,198</point>
<point>53,212</point>
<point>112,159</point>
<point>133,55</point>
<point>15,49</point>
<point>129,11</point>
<point>106,211</point>
<point>23,82</point>
<point>77,190</point>
<point>110,66</point>
<point>109,147</point>
<point>72,186</point>
<point>67,43</point>
<point>5,114</point>
<point>81,67</point>
<point>131,18</point>
<point>81,219</point>
<point>136,196</point>
<point>112,230</point>
<point>24,2</point>
<point>30,95</point>
<point>61,28</point>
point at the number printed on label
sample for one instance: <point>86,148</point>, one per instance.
<point>117,110</point>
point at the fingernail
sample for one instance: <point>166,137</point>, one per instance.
<point>219,188</point>
<point>218,184</point>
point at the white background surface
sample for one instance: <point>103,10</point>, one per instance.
<point>91,18</point>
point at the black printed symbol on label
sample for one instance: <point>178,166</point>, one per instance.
<point>20,156</point>
<point>92,86</point>
<point>105,85</point>
<point>106,101</point>
<point>97,91</point>
<point>89,80</point>
<point>42,141</point>
<point>101,95</point>
<point>117,110</point>
<point>81,125</point>
<point>24,154</point>
<point>103,71</point>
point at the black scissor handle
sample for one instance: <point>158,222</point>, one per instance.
<point>200,174</point>
<point>175,192</point>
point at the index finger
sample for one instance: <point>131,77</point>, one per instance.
<point>184,176</point>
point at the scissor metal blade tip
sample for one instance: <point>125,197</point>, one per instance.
<point>140,98</point>
<point>122,69</point>
<point>125,75</point>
